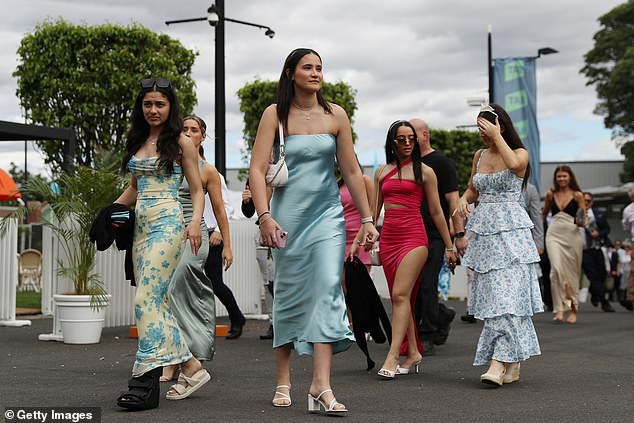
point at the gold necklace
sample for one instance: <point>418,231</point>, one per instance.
<point>305,112</point>
<point>153,142</point>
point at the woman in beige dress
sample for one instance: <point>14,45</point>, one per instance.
<point>564,241</point>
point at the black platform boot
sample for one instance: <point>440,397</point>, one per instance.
<point>143,391</point>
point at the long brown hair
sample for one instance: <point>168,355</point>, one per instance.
<point>286,86</point>
<point>573,180</point>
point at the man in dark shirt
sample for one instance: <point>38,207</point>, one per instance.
<point>433,317</point>
<point>593,262</point>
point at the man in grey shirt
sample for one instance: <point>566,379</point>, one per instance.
<point>533,206</point>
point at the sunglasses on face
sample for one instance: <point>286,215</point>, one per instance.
<point>149,83</point>
<point>402,140</point>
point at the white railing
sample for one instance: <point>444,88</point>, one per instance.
<point>9,276</point>
<point>243,277</point>
<point>110,265</point>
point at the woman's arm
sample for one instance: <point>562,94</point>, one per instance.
<point>260,156</point>
<point>377,204</point>
<point>128,197</point>
<point>352,174</point>
<point>516,160</point>
<point>581,204</point>
<point>469,196</point>
<point>212,180</point>
<point>189,162</point>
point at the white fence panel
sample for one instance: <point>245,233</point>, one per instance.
<point>243,277</point>
<point>9,276</point>
<point>110,265</point>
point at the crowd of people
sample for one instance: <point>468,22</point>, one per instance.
<point>318,218</point>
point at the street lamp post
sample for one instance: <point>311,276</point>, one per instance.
<point>540,52</point>
<point>216,18</point>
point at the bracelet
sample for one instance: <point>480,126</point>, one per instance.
<point>262,221</point>
<point>450,250</point>
<point>263,213</point>
<point>368,219</point>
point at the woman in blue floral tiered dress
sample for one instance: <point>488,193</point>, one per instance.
<point>501,252</point>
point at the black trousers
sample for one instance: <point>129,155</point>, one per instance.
<point>213,269</point>
<point>428,312</point>
<point>544,281</point>
<point>594,267</point>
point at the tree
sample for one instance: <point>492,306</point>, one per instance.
<point>258,95</point>
<point>459,146</point>
<point>86,78</point>
<point>610,67</point>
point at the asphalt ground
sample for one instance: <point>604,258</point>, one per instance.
<point>585,374</point>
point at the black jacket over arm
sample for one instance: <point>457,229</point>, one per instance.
<point>104,234</point>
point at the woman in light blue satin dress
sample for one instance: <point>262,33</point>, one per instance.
<point>309,311</point>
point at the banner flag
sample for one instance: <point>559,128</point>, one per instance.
<point>515,89</point>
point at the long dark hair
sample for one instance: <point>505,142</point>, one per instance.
<point>167,144</point>
<point>573,180</point>
<point>511,137</point>
<point>390,152</point>
<point>286,87</point>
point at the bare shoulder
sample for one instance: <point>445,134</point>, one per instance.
<point>338,112</point>
<point>428,172</point>
<point>270,112</point>
<point>578,195</point>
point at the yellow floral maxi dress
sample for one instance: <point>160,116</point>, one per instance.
<point>158,234</point>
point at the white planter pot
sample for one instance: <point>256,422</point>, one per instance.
<point>80,323</point>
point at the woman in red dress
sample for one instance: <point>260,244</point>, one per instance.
<point>401,185</point>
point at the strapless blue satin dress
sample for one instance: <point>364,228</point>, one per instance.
<point>308,304</point>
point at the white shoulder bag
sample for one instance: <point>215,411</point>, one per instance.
<point>277,173</point>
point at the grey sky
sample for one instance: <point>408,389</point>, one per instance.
<point>406,58</point>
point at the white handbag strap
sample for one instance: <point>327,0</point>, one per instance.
<point>281,133</point>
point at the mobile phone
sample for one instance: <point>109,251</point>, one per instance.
<point>488,115</point>
<point>281,237</point>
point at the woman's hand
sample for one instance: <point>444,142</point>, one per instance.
<point>215,239</point>
<point>461,245</point>
<point>354,249</point>
<point>267,232</point>
<point>369,235</point>
<point>488,129</point>
<point>246,195</point>
<point>452,260</point>
<point>463,208</point>
<point>227,257</point>
<point>194,235</point>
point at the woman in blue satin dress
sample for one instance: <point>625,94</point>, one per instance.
<point>309,311</point>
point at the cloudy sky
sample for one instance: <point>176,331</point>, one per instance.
<point>405,58</point>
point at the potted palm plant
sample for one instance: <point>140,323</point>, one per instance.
<point>73,202</point>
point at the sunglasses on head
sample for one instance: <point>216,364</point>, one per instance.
<point>149,83</point>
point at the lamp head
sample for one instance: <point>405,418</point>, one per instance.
<point>212,15</point>
<point>546,50</point>
<point>269,33</point>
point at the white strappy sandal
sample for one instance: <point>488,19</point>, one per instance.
<point>316,405</point>
<point>281,396</point>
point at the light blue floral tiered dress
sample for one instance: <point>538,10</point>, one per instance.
<point>502,254</point>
